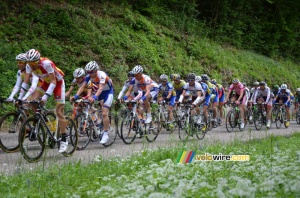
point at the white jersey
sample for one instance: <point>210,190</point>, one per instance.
<point>193,89</point>
<point>265,94</point>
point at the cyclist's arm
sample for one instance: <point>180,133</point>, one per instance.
<point>199,98</point>
<point>100,89</point>
<point>34,83</point>
<point>68,93</point>
<point>254,97</point>
<point>51,87</point>
<point>122,92</point>
<point>25,85</point>
<point>268,96</point>
<point>16,87</point>
<point>182,96</point>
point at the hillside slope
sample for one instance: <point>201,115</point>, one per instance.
<point>119,37</point>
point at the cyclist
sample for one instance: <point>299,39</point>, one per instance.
<point>275,90</point>
<point>297,99</point>
<point>196,91</point>
<point>239,97</point>
<point>284,95</point>
<point>166,92</point>
<point>214,97</point>
<point>178,85</point>
<point>79,76</point>
<point>21,61</point>
<point>221,94</point>
<point>52,83</point>
<point>148,87</point>
<point>263,95</point>
<point>103,91</point>
<point>127,85</point>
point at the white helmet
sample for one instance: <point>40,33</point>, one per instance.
<point>92,65</point>
<point>283,86</point>
<point>21,57</point>
<point>78,73</point>
<point>137,69</point>
<point>298,90</point>
<point>33,55</point>
<point>198,78</point>
<point>163,77</point>
<point>235,80</point>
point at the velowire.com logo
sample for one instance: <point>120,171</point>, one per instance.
<point>190,156</point>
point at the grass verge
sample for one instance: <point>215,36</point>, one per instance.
<point>273,171</point>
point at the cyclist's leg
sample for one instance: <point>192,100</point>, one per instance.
<point>171,106</point>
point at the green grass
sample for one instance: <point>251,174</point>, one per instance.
<point>273,171</point>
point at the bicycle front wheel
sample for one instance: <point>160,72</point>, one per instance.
<point>201,127</point>
<point>84,131</point>
<point>10,125</point>
<point>230,121</point>
<point>72,137</point>
<point>185,128</point>
<point>129,128</point>
<point>32,139</point>
<point>258,120</point>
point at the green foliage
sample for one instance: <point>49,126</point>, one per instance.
<point>163,36</point>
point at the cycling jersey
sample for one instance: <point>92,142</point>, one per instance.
<point>87,86</point>
<point>193,91</point>
<point>206,92</point>
<point>143,82</point>
<point>107,88</point>
<point>164,89</point>
<point>221,93</point>
<point>126,86</point>
<point>46,67</point>
<point>265,94</point>
<point>237,89</point>
<point>178,87</point>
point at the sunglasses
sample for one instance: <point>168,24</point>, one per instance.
<point>32,62</point>
<point>191,80</point>
<point>21,62</point>
<point>91,72</point>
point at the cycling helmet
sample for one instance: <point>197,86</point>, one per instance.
<point>137,69</point>
<point>276,87</point>
<point>175,77</point>
<point>298,90</point>
<point>198,78</point>
<point>33,55</point>
<point>92,65</point>
<point>262,83</point>
<point>245,84</point>
<point>283,86</point>
<point>205,77</point>
<point>21,57</point>
<point>163,77</point>
<point>79,72</point>
<point>256,83</point>
<point>191,76</point>
<point>235,81</point>
<point>214,81</point>
<point>130,74</point>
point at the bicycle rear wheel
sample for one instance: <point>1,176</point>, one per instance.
<point>72,137</point>
<point>129,128</point>
<point>200,128</point>
<point>184,129</point>
<point>258,120</point>
<point>10,125</point>
<point>32,139</point>
<point>84,131</point>
<point>113,131</point>
<point>278,120</point>
<point>153,129</point>
<point>230,121</point>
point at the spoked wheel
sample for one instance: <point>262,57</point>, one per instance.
<point>52,120</point>
<point>278,120</point>
<point>113,131</point>
<point>10,125</point>
<point>185,129</point>
<point>32,139</point>
<point>200,128</point>
<point>298,117</point>
<point>72,137</point>
<point>230,121</point>
<point>129,128</point>
<point>152,130</point>
<point>250,116</point>
<point>258,120</point>
<point>84,131</point>
<point>284,120</point>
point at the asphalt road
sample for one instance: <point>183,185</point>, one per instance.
<point>13,163</point>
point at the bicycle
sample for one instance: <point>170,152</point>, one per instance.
<point>132,125</point>
<point>163,117</point>
<point>233,117</point>
<point>260,116</point>
<point>34,141</point>
<point>86,123</point>
<point>280,116</point>
<point>298,115</point>
<point>190,124</point>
